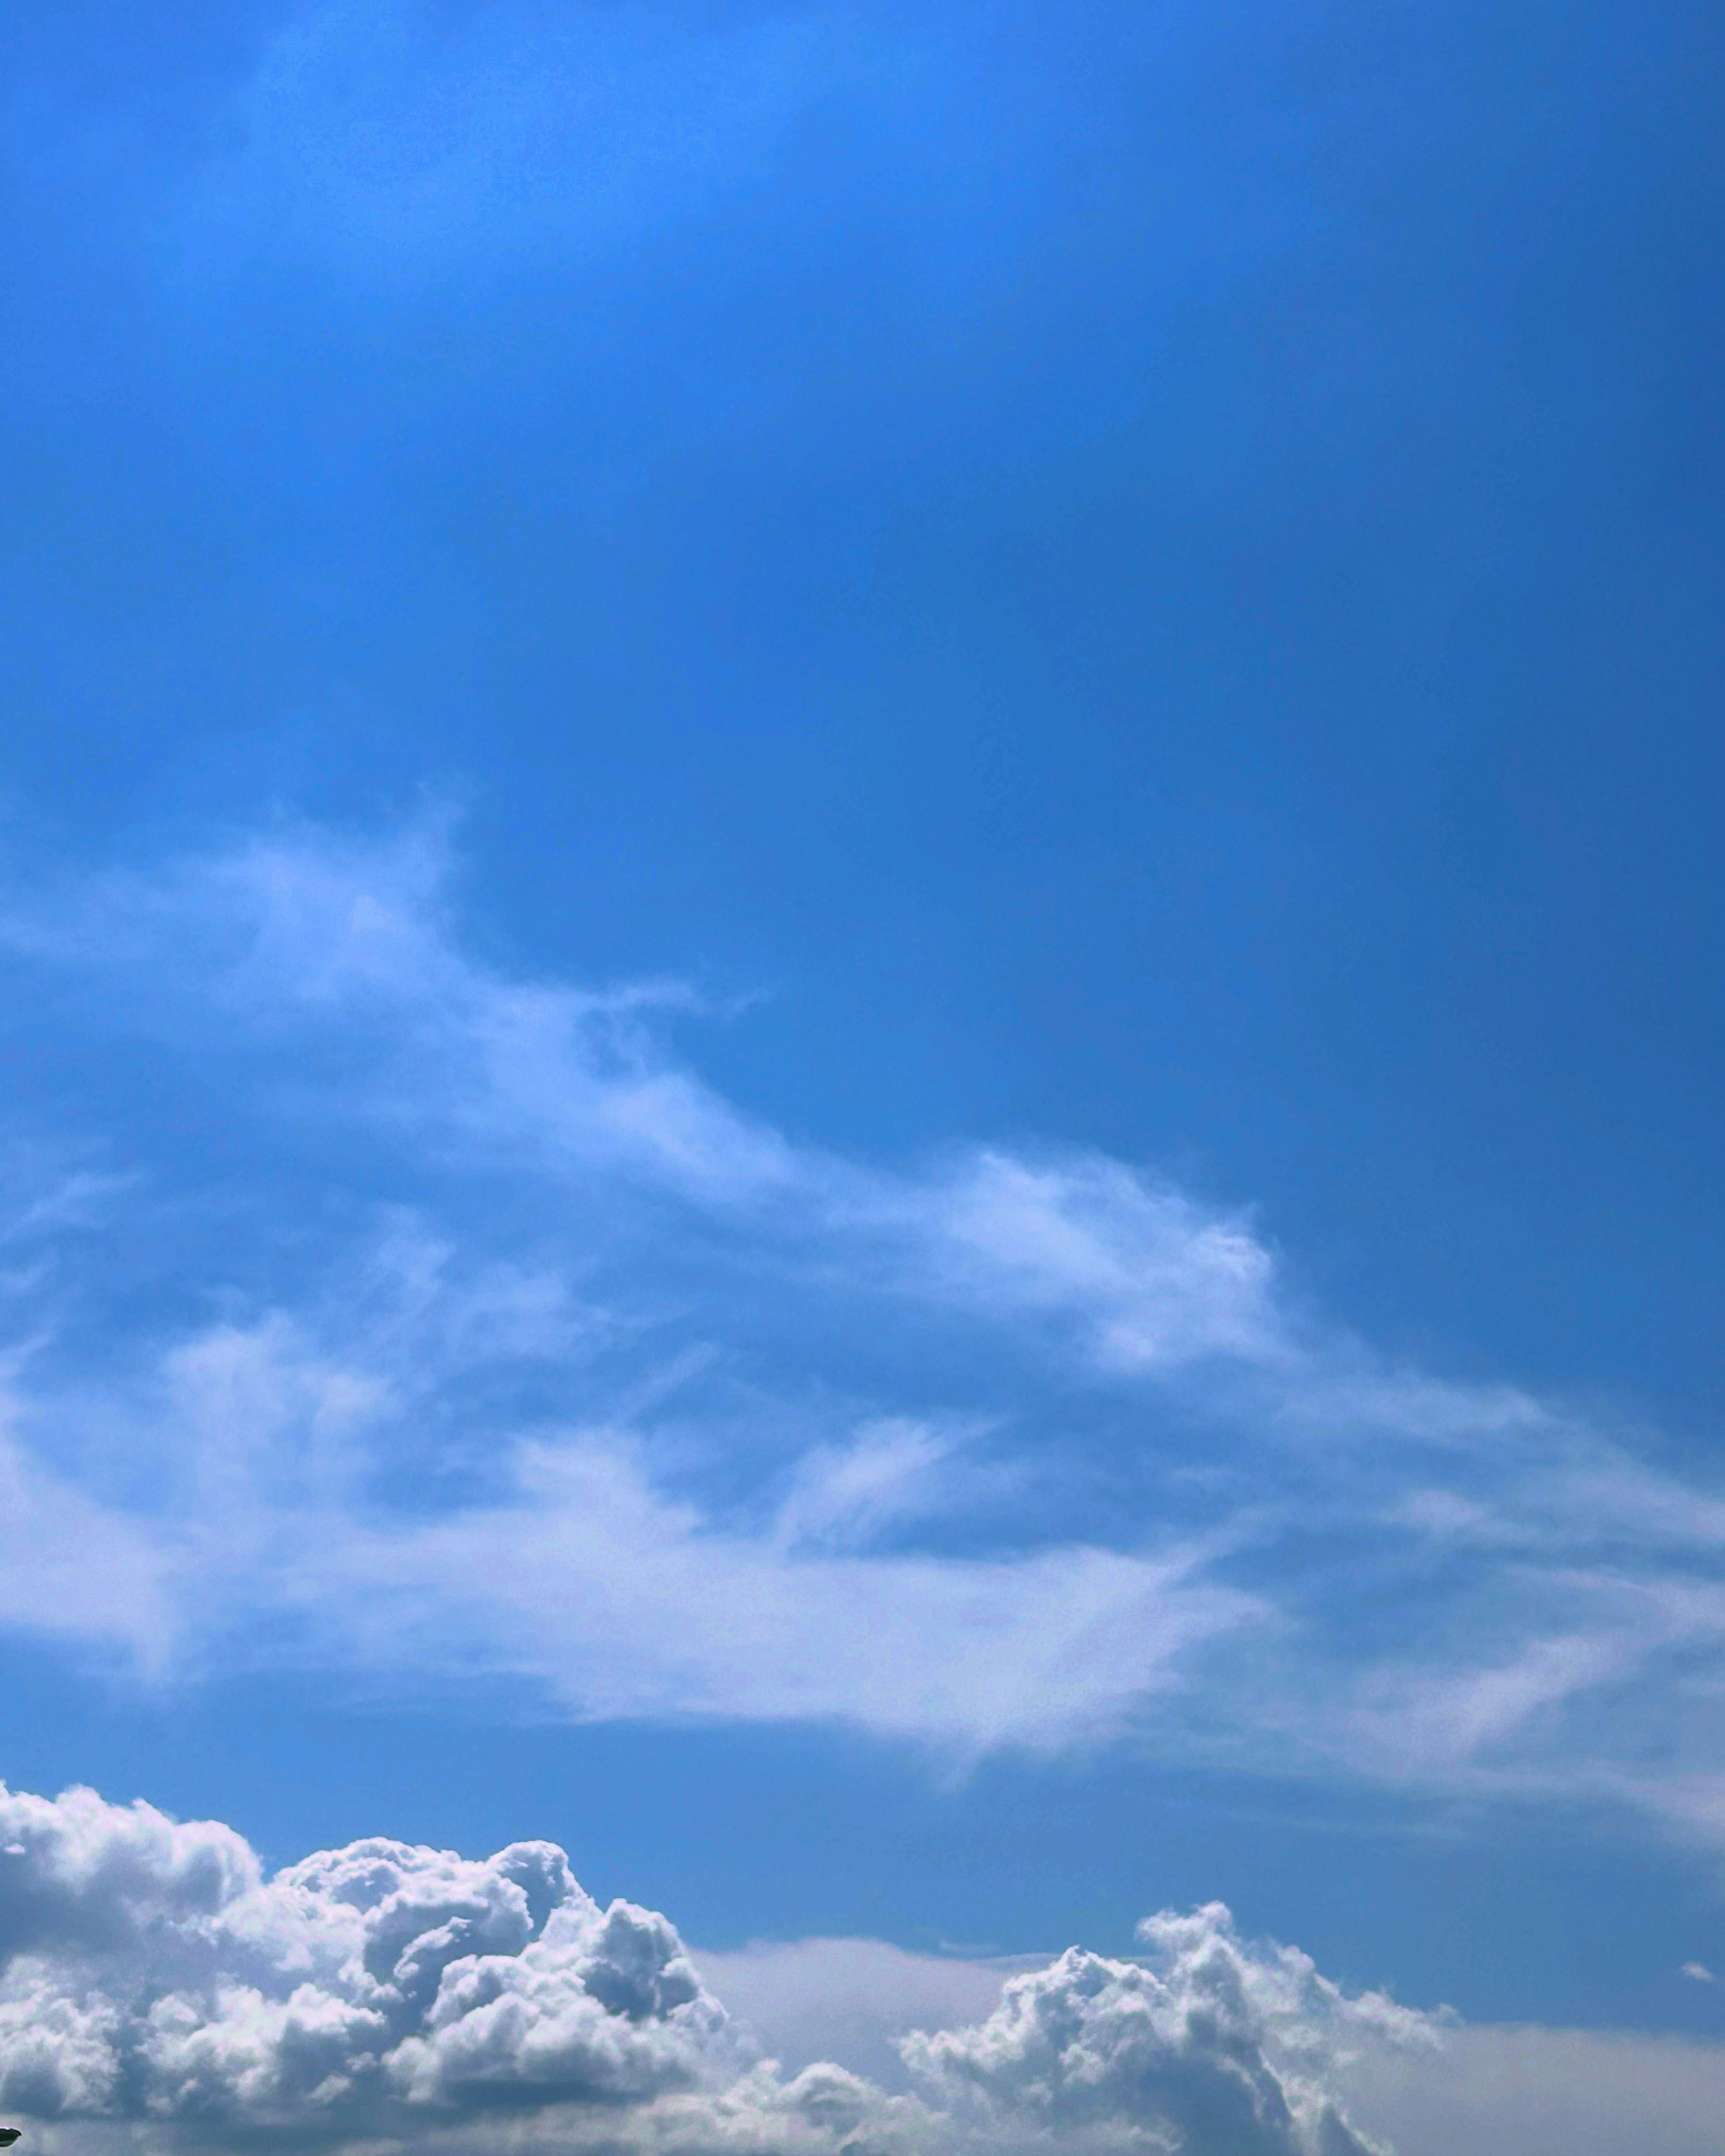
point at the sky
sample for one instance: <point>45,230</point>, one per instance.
<point>860,1246</point>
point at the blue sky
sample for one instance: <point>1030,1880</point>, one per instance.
<point>863,932</point>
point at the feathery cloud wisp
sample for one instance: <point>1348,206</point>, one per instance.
<point>498,1342</point>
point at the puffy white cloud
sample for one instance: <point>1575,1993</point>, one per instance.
<point>1217,2046</point>
<point>152,1972</point>
<point>158,1992</point>
<point>1424,2087</point>
<point>152,1977</point>
<point>76,1873</point>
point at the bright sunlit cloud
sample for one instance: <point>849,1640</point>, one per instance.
<point>156,1979</point>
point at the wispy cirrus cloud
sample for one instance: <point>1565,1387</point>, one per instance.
<point>493,1340</point>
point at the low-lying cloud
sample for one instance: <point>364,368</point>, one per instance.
<point>153,1971</point>
<point>151,1976</point>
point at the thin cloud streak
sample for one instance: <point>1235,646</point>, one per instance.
<point>616,1390</point>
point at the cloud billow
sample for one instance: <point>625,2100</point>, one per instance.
<point>1219,2046</point>
<point>153,1979</point>
<point>152,1972</point>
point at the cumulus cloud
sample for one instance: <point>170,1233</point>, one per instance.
<point>159,1992</point>
<point>1213,2050</point>
<point>595,1378</point>
<point>150,1973</point>
<point>1424,2086</point>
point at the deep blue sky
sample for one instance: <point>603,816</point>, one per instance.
<point>1132,578</point>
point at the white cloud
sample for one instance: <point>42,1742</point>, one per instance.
<point>609,1385</point>
<point>150,1973</point>
<point>159,1993</point>
<point>845,1496</point>
<point>1220,2046</point>
<point>1444,2088</point>
<point>1152,1278</point>
<point>623,1603</point>
<point>70,1565</point>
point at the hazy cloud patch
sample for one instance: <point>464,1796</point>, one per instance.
<point>498,1342</point>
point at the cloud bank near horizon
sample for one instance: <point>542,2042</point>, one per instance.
<point>377,1309</point>
<point>152,1980</point>
<point>160,1993</point>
